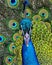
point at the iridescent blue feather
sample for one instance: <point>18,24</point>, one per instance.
<point>29,55</point>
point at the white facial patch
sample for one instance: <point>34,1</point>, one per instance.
<point>27,38</point>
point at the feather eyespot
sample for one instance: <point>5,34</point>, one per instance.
<point>13,24</point>
<point>28,13</point>
<point>12,48</point>
<point>43,13</point>
<point>2,39</point>
<point>8,60</point>
<point>37,18</point>
<point>12,3</point>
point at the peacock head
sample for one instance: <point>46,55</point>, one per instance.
<point>26,35</point>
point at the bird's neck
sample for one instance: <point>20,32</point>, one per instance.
<point>27,44</point>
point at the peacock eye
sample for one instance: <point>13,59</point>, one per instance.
<point>15,36</point>
<point>36,18</point>
<point>11,48</point>
<point>8,60</point>
<point>12,3</point>
<point>13,24</point>
<point>2,39</point>
<point>28,12</point>
<point>43,13</point>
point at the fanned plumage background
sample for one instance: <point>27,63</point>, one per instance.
<point>41,31</point>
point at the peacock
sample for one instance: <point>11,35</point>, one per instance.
<point>26,25</point>
<point>28,53</point>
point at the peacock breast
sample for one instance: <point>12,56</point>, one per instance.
<point>29,55</point>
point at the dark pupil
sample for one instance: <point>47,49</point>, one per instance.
<point>9,60</point>
<point>0,38</point>
<point>43,14</point>
<point>12,1</point>
<point>13,47</point>
<point>13,24</point>
<point>26,13</point>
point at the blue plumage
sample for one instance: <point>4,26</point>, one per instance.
<point>26,3</point>
<point>13,2</point>
<point>26,23</point>
<point>29,55</point>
